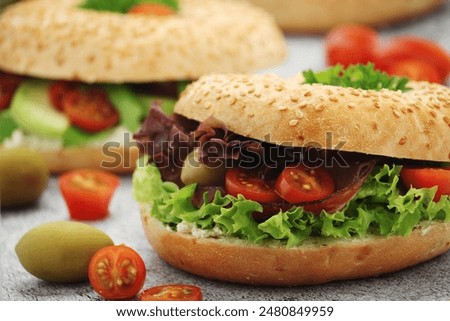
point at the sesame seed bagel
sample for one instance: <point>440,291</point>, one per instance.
<point>58,40</point>
<point>316,16</point>
<point>413,124</point>
<point>316,262</point>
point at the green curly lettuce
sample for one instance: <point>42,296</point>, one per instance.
<point>378,208</point>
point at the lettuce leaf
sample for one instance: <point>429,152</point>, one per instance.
<point>378,208</point>
<point>122,6</point>
<point>356,76</point>
<point>7,125</point>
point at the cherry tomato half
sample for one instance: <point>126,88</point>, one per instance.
<point>8,86</point>
<point>172,292</point>
<point>301,184</point>
<point>156,9</point>
<point>88,192</point>
<point>350,44</point>
<point>410,47</point>
<point>117,272</point>
<point>57,90</point>
<point>415,69</point>
<point>247,183</point>
<point>90,109</point>
<point>426,178</point>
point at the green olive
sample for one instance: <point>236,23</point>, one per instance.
<point>24,176</point>
<point>60,251</point>
<point>195,172</point>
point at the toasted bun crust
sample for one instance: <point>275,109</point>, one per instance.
<point>413,125</point>
<point>315,263</point>
<point>57,40</point>
<point>317,16</point>
<point>117,160</point>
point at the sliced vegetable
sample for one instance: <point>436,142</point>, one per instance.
<point>427,178</point>
<point>45,120</point>
<point>8,86</point>
<point>90,109</point>
<point>88,192</point>
<point>172,292</point>
<point>301,184</point>
<point>57,90</point>
<point>155,9</point>
<point>117,272</point>
<point>410,47</point>
<point>351,44</point>
<point>246,182</point>
<point>415,69</point>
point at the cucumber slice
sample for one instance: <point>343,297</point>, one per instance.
<point>33,112</point>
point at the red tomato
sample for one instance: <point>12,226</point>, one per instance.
<point>247,183</point>
<point>117,272</point>
<point>8,86</point>
<point>90,110</point>
<point>350,44</point>
<point>302,184</point>
<point>415,69</point>
<point>409,47</point>
<point>88,192</point>
<point>57,90</point>
<point>172,292</point>
<point>156,9</point>
<point>426,178</point>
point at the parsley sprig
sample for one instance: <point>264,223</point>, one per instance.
<point>122,6</point>
<point>356,76</point>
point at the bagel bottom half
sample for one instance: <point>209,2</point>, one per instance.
<point>118,160</point>
<point>317,262</point>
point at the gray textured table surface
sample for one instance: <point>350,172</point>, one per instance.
<point>428,281</point>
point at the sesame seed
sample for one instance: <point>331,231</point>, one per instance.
<point>447,120</point>
<point>302,105</point>
<point>233,101</point>
<point>433,113</point>
<point>208,105</point>
<point>333,99</point>
<point>376,105</point>
<point>402,141</point>
<point>299,114</point>
<point>198,100</point>
<point>319,107</point>
<point>351,105</point>
<point>307,94</point>
<point>396,113</point>
<point>294,99</point>
<point>293,122</point>
<point>281,108</point>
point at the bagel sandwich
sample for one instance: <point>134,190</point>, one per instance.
<point>319,16</point>
<point>320,177</point>
<point>78,76</point>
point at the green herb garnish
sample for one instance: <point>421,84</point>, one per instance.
<point>356,76</point>
<point>123,6</point>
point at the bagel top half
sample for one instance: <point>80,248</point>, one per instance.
<point>414,124</point>
<point>59,40</point>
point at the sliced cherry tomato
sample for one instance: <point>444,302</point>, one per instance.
<point>117,272</point>
<point>252,187</point>
<point>301,184</point>
<point>410,47</point>
<point>57,90</point>
<point>90,109</point>
<point>415,69</point>
<point>88,192</point>
<point>426,178</point>
<point>350,44</point>
<point>8,86</point>
<point>172,292</point>
<point>156,9</point>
